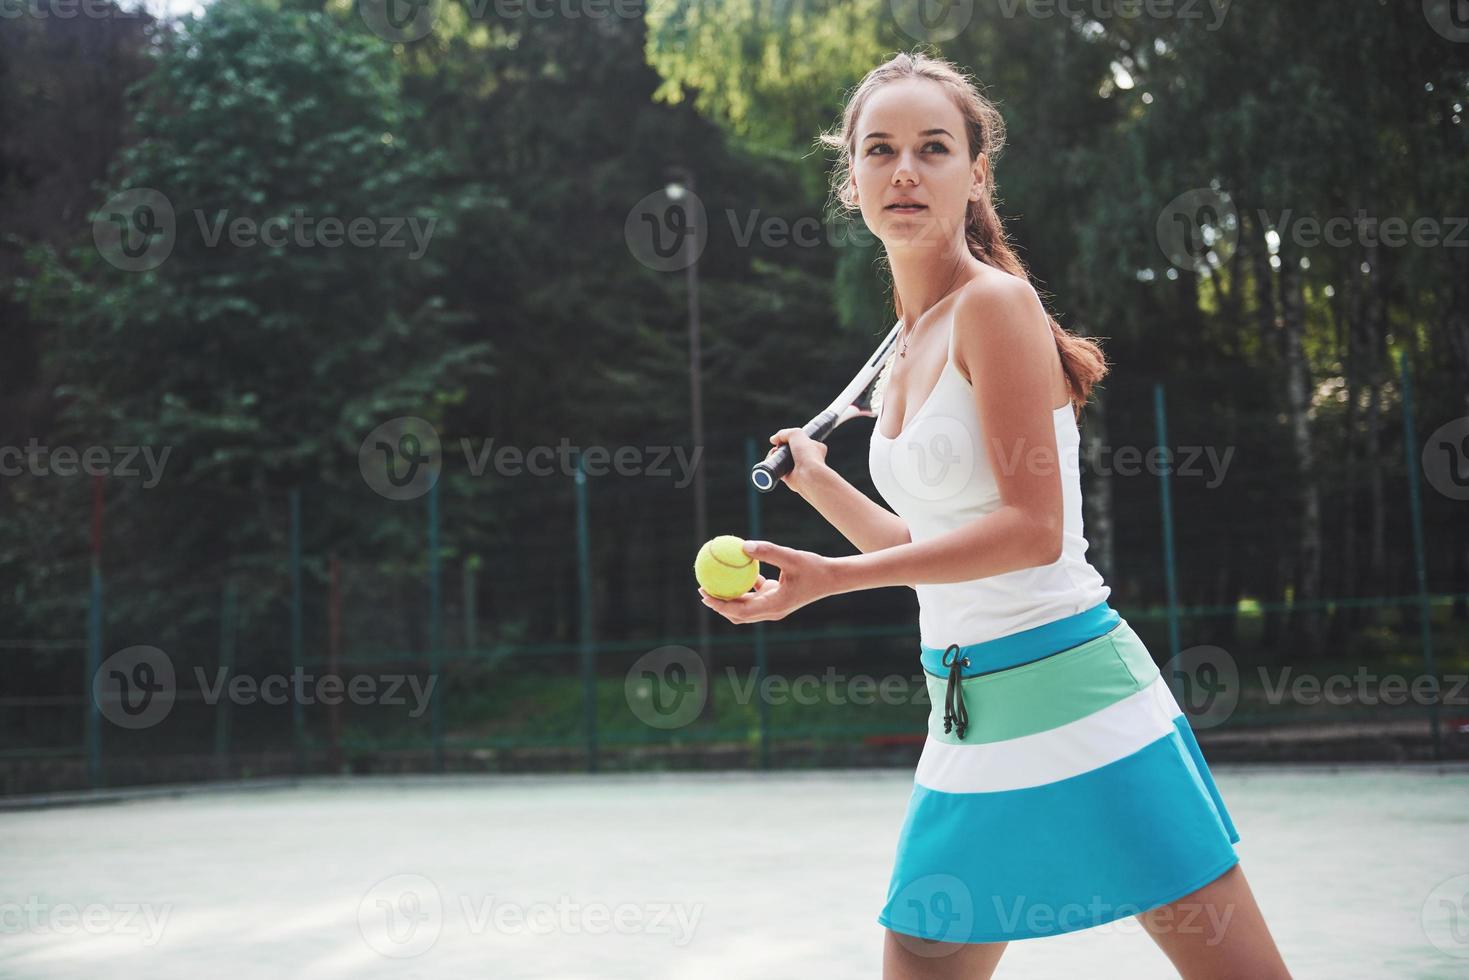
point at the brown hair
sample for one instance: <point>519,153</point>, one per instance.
<point>984,233</point>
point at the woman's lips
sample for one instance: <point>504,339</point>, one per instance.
<point>906,208</point>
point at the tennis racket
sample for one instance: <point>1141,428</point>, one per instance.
<point>855,401</point>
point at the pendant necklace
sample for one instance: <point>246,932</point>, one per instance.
<point>903,347</point>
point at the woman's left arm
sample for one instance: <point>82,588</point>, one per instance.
<point>1004,339</point>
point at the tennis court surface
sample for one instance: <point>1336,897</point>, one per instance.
<point>1362,872</point>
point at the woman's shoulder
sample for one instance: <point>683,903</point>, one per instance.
<point>994,292</point>
<point>995,309</point>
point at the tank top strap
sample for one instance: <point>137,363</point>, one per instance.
<point>951,344</point>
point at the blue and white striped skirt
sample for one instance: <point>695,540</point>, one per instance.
<point>1066,792</point>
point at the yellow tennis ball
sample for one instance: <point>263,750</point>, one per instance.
<point>723,568</point>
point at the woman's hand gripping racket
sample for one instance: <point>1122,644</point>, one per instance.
<point>855,401</point>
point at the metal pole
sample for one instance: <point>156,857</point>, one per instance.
<point>229,603</point>
<point>752,498</point>
<point>1420,565</point>
<point>696,412</point>
<point>471,594</point>
<point>298,711</point>
<point>584,588</point>
<point>334,662</point>
<point>435,660</point>
<point>1160,416</point>
<point>94,644</point>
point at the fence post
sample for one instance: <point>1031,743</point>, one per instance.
<point>334,662</point>
<point>762,706</point>
<point>229,602</point>
<point>1160,418</point>
<point>94,645</point>
<point>471,598</point>
<point>1420,565</point>
<point>298,711</point>
<point>584,585</point>
<point>435,658</point>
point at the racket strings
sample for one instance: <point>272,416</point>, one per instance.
<point>879,385</point>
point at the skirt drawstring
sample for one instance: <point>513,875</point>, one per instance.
<point>954,710</point>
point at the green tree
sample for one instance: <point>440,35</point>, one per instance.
<point>294,307</point>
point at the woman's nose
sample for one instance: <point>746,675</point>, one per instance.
<point>905,168</point>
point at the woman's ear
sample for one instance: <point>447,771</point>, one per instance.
<point>981,176</point>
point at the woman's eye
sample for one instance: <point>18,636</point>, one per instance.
<point>883,146</point>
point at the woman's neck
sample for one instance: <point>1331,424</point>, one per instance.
<point>922,277</point>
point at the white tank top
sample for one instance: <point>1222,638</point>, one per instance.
<point>937,476</point>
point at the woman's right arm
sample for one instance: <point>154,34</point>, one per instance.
<point>869,526</point>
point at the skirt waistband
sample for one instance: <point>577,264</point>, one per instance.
<point>1025,646</point>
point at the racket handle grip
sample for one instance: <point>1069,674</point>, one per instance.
<point>768,472</point>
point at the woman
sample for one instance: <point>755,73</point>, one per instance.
<point>1060,786</point>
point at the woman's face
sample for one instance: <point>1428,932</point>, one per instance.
<point>912,145</point>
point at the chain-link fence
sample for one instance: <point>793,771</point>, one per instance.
<point>540,623</point>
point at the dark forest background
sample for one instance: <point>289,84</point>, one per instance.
<point>529,320</point>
